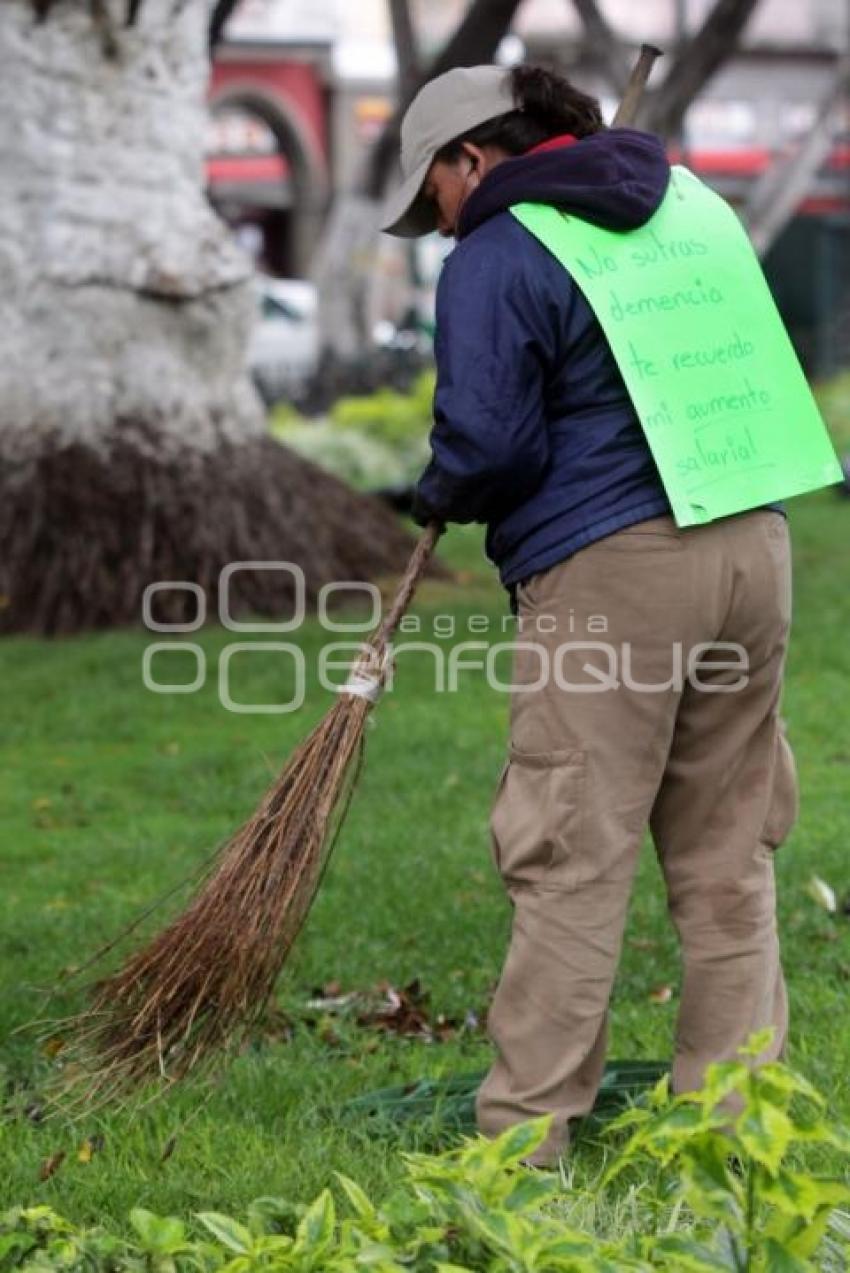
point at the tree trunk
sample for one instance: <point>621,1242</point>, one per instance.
<point>603,45</point>
<point>347,252</point>
<point>700,58</point>
<point>132,445</point>
<point>775,196</point>
<point>475,41</point>
<point>406,47</point>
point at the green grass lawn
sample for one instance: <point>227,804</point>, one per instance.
<point>111,794</point>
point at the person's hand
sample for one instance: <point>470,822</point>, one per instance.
<point>421,510</point>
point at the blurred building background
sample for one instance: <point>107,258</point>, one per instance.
<point>301,88</point>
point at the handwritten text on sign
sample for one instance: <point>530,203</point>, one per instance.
<point>706,359</point>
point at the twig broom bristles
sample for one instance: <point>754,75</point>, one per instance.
<point>202,982</point>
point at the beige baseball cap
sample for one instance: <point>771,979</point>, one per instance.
<point>447,107</point>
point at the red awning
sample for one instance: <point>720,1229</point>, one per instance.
<point>233,169</point>
<point>748,162</point>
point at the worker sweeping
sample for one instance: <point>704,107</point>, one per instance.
<point>617,400</point>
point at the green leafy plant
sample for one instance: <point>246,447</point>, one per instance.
<point>729,1149</point>
<point>363,462</point>
<point>388,416</point>
<point>370,441</point>
<point>716,1187</point>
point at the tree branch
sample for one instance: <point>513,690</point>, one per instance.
<point>775,196</point>
<point>476,40</point>
<point>406,48</point>
<point>698,61</point>
<point>603,44</point>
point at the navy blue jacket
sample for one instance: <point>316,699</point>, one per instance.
<point>535,433</point>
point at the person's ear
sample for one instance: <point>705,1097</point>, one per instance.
<point>476,156</point>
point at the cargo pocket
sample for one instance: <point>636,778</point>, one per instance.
<point>536,823</point>
<point>784,795</point>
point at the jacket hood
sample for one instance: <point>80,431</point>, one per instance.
<point>615,178</point>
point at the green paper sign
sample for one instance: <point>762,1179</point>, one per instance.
<point>714,379</point>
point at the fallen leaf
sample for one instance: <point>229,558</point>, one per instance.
<point>42,802</point>
<point>405,1012</point>
<point>53,1046</point>
<point>51,1165</point>
<point>819,891</point>
<point>385,1008</point>
<point>332,1003</point>
<point>661,994</point>
<point>91,1146</point>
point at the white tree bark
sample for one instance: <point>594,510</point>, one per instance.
<point>122,296</point>
<point>133,448</point>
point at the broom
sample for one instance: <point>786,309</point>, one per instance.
<point>204,981</point>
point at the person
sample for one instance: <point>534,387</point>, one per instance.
<point>535,435</point>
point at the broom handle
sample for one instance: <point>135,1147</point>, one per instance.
<point>419,559</point>
<point>427,540</point>
<point>628,108</point>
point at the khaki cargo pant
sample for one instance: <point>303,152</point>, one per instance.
<point>703,761</point>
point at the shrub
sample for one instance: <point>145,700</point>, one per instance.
<point>390,417</point>
<point>715,1191</point>
<point>363,462</point>
<point>377,440</point>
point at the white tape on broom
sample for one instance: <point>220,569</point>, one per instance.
<point>363,685</point>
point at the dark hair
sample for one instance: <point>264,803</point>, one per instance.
<point>547,104</point>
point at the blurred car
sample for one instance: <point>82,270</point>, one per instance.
<point>283,352</point>
<point>402,338</point>
<point>403,349</point>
